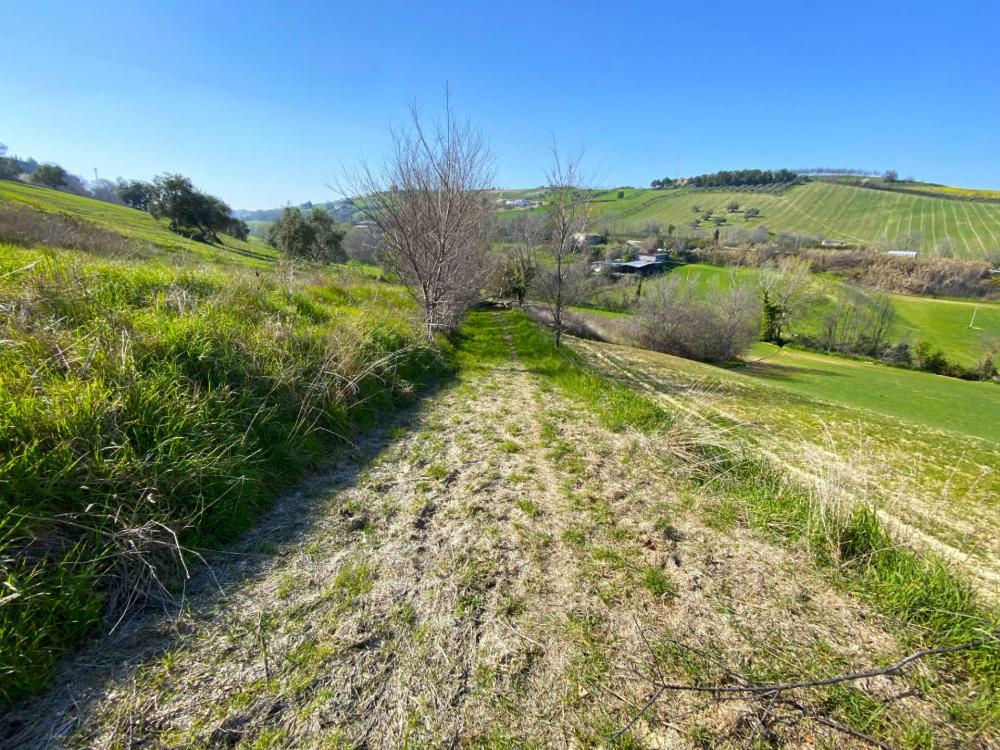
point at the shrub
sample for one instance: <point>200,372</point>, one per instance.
<point>928,359</point>
<point>675,317</point>
<point>50,175</point>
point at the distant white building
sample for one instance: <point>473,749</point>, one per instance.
<point>903,253</point>
<point>517,203</point>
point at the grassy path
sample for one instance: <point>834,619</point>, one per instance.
<point>496,569</point>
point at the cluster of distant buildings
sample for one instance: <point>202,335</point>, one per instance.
<point>517,203</point>
<point>645,263</point>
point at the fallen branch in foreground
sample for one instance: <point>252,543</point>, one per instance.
<point>774,691</point>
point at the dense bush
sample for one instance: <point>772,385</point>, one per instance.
<point>313,236</point>
<point>930,359</point>
<point>142,402</point>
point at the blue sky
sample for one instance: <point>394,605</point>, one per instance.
<point>260,103</point>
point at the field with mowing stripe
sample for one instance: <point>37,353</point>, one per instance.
<point>920,446</point>
<point>837,212</point>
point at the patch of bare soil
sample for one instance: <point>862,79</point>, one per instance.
<point>496,571</point>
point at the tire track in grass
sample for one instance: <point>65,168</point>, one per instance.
<point>988,220</point>
<point>972,227</point>
<point>816,220</point>
<point>934,213</point>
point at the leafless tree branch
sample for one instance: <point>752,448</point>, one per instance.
<point>428,201</point>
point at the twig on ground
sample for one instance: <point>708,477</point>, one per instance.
<point>775,691</point>
<point>263,649</point>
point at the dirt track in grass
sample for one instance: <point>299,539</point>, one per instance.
<point>494,569</point>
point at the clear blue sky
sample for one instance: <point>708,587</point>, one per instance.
<point>260,102</point>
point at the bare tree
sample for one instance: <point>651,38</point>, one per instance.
<point>562,283</point>
<point>945,247</point>
<point>428,202</point>
<point>361,244</point>
<point>784,295</point>
<point>678,317</point>
<point>858,322</point>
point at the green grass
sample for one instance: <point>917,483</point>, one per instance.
<point>925,602</point>
<point>617,407</point>
<point>136,397</point>
<point>138,226</point>
<point>928,187</point>
<point>929,604</point>
<point>949,325</point>
<point>921,399</point>
<point>923,444</point>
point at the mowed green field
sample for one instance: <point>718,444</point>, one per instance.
<point>944,323</point>
<point>838,212</point>
<point>969,407</point>
<point>138,226</point>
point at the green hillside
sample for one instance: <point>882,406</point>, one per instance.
<point>835,211</point>
<point>138,227</point>
<point>927,443</point>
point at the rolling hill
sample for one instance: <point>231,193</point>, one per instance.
<point>819,208</point>
<point>483,567</point>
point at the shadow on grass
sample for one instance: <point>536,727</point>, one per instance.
<point>114,658</point>
<point>774,371</point>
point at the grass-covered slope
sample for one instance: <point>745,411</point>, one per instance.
<point>138,228</point>
<point>923,443</point>
<point>920,398</point>
<point>837,212</point>
<point>149,405</point>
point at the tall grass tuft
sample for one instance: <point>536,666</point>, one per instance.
<point>147,410</point>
